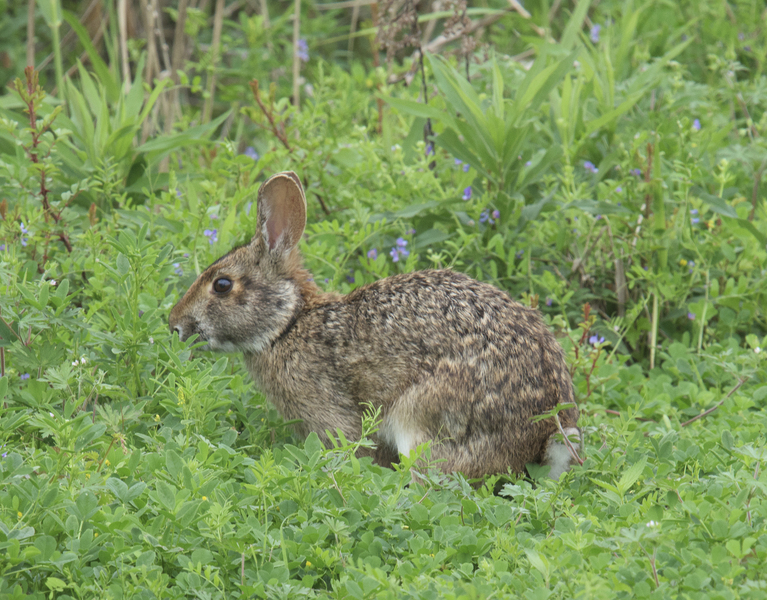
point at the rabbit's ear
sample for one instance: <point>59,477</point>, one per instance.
<point>281,211</point>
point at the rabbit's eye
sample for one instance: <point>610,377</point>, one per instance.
<point>222,285</point>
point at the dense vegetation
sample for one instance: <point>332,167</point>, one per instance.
<point>604,161</point>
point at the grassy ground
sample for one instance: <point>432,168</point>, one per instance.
<point>614,182</point>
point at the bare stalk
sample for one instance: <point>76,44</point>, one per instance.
<point>296,59</point>
<point>218,21</point>
<point>31,33</point>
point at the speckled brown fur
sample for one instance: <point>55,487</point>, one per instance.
<point>446,357</point>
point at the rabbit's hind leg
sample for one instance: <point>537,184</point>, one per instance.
<point>559,455</point>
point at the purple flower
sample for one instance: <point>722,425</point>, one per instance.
<point>619,189</point>
<point>496,214</point>
<point>693,211</point>
<point>594,33</point>
<point>636,172</point>
<point>24,376</point>
<point>248,206</point>
<point>213,217</point>
<point>211,234</point>
<point>458,161</point>
<point>598,217</point>
<point>250,152</point>
<point>350,278</point>
<point>467,193</point>
<point>2,247</point>
<point>302,51</point>
<point>691,316</point>
<point>691,264</point>
<point>372,254</point>
<point>24,228</point>
<point>178,193</point>
<point>466,168</point>
<point>411,231</point>
<point>595,340</point>
<point>528,163</point>
<point>429,149</point>
<point>695,220</point>
<point>589,166</point>
<point>484,217</point>
<point>399,250</point>
<point>24,241</point>
<point>696,125</point>
<point>177,269</point>
<point>549,301</point>
<point>519,254</point>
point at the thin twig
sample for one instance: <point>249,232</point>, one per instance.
<point>218,22</point>
<point>30,33</point>
<point>296,58</point>
<point>570,447</point>
<point>277,130</point>
<point>713,408</point>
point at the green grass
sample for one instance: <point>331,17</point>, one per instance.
<point>615,184</point>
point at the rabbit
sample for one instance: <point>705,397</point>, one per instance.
<point>446,358</point>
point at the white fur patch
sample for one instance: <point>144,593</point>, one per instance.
<point>558,455</point>
<point>399,435</point>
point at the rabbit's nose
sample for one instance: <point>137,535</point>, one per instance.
<point>179,331</point>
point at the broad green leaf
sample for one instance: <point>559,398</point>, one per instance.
<point>631,475</point>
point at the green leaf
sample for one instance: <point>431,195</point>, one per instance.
<point>575,25</point>
<point>631,475</point>
<point>103,72</point>
<point>123,265</point>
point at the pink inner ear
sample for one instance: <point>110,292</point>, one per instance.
<point>275,227</point>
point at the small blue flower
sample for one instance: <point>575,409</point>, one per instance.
<point>549,301</point>
<point>177,269</point>
<point>248,206</point>
<point>519,254</point>
<point>411,231</point>
<point>594,33</point>
<point>372,254</point>
<point>211,234</point>
<point>598,217</point>
<point>695,220</point>
<point>467,193</point>
<point>250,152</point>
<point>496,214</point>
<point>696,125</point>
<point>429,149</point>
<point>636,172</point>
<point>741,36</point>
<point>691,316</point>
<point>619,189</point>
<point>528,163</point>
<point>24,241</point>
<point>595,340</point>
<point>400,250</point>
<point>466,168</point>
<point>302,51</point>
<point>24,228</point>
<point>24,376</point>
<point>2,247</point>
<point>589,166</point>
<point>693,211</point>
<point>484,217</point>
<point>350,278</point>
<point>458,161</point>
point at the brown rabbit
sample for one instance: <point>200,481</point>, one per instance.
<point>445,357</point>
